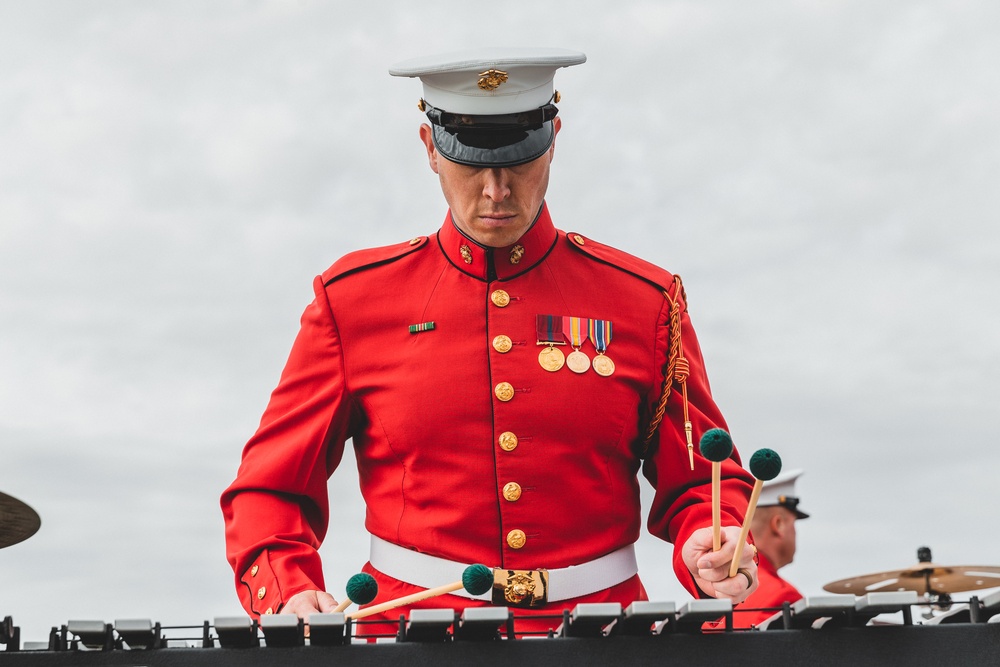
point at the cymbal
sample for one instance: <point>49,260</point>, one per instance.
<point>924,578</point>
<point>18,522</point>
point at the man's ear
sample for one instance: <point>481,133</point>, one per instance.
<point>556,126</point>
<point>778,524</point>
<point>426,136</point>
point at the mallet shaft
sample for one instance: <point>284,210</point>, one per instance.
<point>407,599</point>
<point>716,505</point>
<point>745,530</point>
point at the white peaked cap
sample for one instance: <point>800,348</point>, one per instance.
<point>781,491</point>
<point>451,81</point>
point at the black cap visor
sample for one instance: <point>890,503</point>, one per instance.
<point>493,146</point>
<point>791,503</point>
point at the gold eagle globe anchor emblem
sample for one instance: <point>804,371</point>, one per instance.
<point>520,588</point>
<point>492,79</point>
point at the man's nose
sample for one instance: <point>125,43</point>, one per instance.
<point>497,184</point>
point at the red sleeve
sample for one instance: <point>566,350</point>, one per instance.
<point>277,509</point>
<point>683,499</point>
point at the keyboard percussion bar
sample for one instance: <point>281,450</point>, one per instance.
<point>282,630</point>
<point>93,634</point>
<point>590,619</point>
<point>696,612</point>
<point>482,623</point>
<point>641,616</point>
<point>808,610</point>
<point>138,633</point>
<point>429,625</point>
<point>991,603</point>
<point>329,629</point>
<point>871,605</point>
<point>236,632</point>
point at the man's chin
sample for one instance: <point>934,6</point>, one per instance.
<point>499,235</point>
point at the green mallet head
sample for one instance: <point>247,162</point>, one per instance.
<point>765,464</point>
<point>716,445</point>
<point>477,579</point>
<point>362,588</point>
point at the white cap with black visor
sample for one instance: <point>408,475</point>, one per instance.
<point>781,491</point>
<point>490,107</point>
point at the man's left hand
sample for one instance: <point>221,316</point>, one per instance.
<point>710,569</point>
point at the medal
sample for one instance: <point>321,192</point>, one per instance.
<point>577,361</point>
<point>603,365</point>
<point>551,359</point>
<point>600,334</point>
<point>549,331</point>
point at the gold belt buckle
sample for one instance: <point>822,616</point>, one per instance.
<point>520,588</point>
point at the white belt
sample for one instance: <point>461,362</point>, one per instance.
<point>565,583</point>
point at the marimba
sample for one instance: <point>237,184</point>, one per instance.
<point>825,630</point>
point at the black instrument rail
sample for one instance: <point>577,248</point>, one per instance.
<point>966,638</point>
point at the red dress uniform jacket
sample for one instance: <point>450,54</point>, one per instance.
<point>771,593</point>
<point>427,416</point>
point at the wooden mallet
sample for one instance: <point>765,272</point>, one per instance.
<point>716,445</point>
<point>361,589</point>
<point>476,579</point>
<point>765,464</point>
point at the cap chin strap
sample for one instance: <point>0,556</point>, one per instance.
<point>532,119</point>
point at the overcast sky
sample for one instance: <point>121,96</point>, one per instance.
<point>173,174</point>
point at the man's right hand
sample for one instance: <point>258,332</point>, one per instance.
<point>309,602</point>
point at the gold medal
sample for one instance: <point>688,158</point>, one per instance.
<point>549,331</point>
<point>575,328</point>
<point>600,334</point>
<point>578,362</point>
<point>603,365</point>
<point>551,359</point>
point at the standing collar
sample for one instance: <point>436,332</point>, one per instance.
<point>765,564</point>
<point>510,261</point>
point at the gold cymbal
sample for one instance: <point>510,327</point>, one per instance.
<point>924,578</point>
<point>18,522</point>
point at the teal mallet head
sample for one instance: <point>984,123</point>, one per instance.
<point>477,579</point>
<point>362,588</point>
<point>716,445</point>
<point>765,464</point>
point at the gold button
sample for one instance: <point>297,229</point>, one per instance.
<point>504,391</point>
<point>415,241</point>
<point>508,441</point>
<point>253,570</point>
<point>261,592</point>
<point>511,491</point>
<point>502,344</point>
<point>578,239</point>
<point>500,298</point>
<point>516,539</point>
<point>268,611</point>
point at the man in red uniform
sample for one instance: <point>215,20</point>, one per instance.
<point>502,383</point>
<point>773,528</point>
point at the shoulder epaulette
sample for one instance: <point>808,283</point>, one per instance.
<point>640,268</point>
<point>359,260</point>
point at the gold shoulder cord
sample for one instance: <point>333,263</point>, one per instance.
<point>677,369</point>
